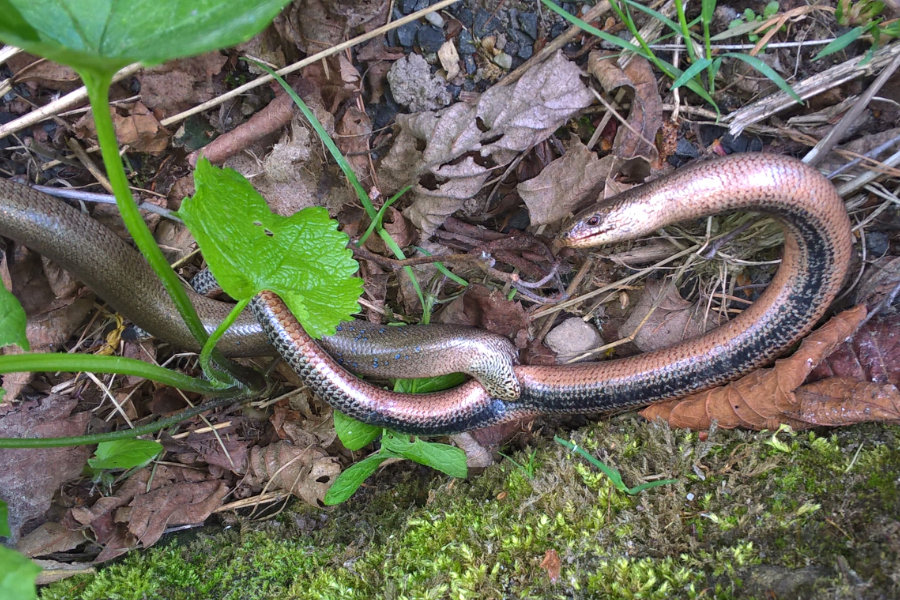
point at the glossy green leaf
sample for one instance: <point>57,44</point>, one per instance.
<point>429,384</point>
<point>692,71</point>
<point>354,434</point>
<point>349,481</point>
<point>17,575</point>
<point>841,42</point>
<point>124,454</point>
<point>106,35</point>
<point>303,258</point>
<point>447,459</point>
<point>12,321</point>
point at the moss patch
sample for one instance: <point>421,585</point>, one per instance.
<point>817,515</point>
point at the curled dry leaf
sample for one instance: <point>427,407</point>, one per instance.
<point>44,73</point>
<point>465,143</point>
<point>136,126</point>
<point>181,84</point>
<point>304,472</point>
<point>671,318</point>
<point>766,397</point>
<point>636,138</point>
<point>488,309</point>
<point>872,354</point>
<point>551,565</point>
<point>843,401</point>
<point>565,184</point>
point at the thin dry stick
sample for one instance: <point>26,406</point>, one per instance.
<point>57,106</point>
<point>807,88</point>
<point>821,150</point>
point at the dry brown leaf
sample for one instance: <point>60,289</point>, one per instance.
<point>138,127</point>
<point>565,184</point>
<point>844,401</point>
<point>304,472</point>
<point>49,538</point>
<point>551,565</point>
<point>488,309</point>
<point>766,397</point>
<point>28,495</point>
<point>179,503</point>
<point>44,73</point>
<point>672,320</point>
<point>636,138</point>
<point>181,84</point>
<point>872,354</point>
<point>353,131</point>
<point>465,143</point>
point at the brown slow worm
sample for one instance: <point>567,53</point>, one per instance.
<point>814,264</point>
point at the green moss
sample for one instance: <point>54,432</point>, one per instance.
<point>743,520</point>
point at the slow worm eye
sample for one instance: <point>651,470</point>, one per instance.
<point>595,220</point>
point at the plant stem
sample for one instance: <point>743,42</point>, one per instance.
<point>97,84</point>
<point>96,438</point>
<point>76,363</point>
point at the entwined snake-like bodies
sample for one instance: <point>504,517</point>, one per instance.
<point>814,264</point>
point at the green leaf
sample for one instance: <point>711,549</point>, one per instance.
<point>4,520</point>
<point>691,72</point>
<point>707,9</point>
<point>124,454</point>
<point>106,35</point>
<point>446,459</point>
<point>429,384</point>
<point>17,575</point>
<point>354,434</point>
<point>606,37</point>
<point>12,321</point>
<point>303,258</point>
<point>656,15</point>
<point>839,43</point>
<point>771,9</point>
<point>350,480</point>
<point>767,71</point>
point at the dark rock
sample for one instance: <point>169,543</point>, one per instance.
<point>528,24</point>
<point>465,43</point>
<point>430,38</point>
<point>686,149</point>
<point>406,34</point>
<point>408,6</point>
<point>526,51</point>
<point>878,243</point>
<point>469,62</point>
<point>465,16</point>
<point>485,23</point>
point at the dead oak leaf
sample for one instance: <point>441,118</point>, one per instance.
<point>662,318</point>
<point>465,143</point>
<point>766,397</point>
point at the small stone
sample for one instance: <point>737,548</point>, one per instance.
<point>406,34</point>
<point>466,43</point>
<point>469,63</point>
<point>526,51</point>
<point>686,149</point>
<point>528,24</point>
<point>465,16</point>
<point>485,23</point>
<point>878,243</point>
<point>435,19</point>
<point>572,338</point>
<point>504,61</point>
<point>408,6</point>
<point>430,39</point>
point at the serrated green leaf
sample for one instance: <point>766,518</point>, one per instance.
<point>841,42</point>
<point>447,459</point>
<point>349,481</point>
<point>303,258</point>
<point>767,71</point>
<point>12,321</point>
<point>354,434</point>
<point>124,454</point>
<point>105,35</point>
<point>17,575</point>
